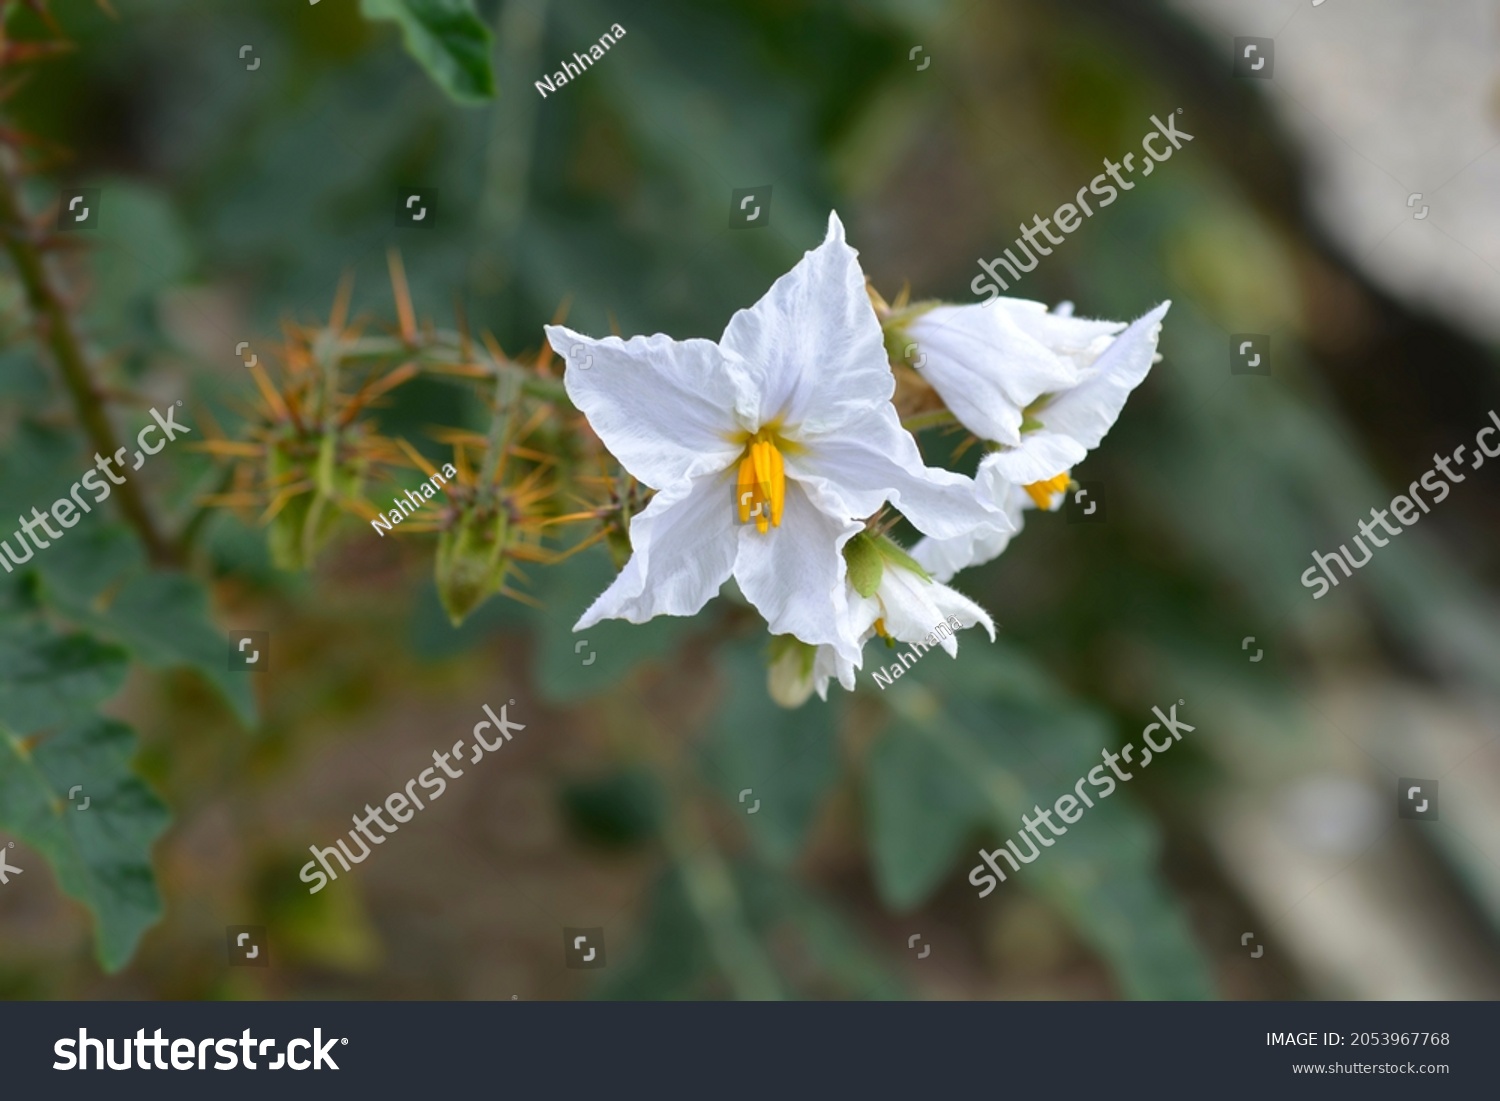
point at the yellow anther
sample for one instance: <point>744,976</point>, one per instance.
<point>1042,492</point>
<point>760,488</point>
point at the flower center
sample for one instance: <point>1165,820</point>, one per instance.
<point>1042,492</point>
<point>760,489</point>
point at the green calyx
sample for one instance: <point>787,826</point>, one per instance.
<point>898,557</point>
<point>894,331</point>
<point>865,564</point>
<point>306,522</point>
<point>867,556</point>
<point>1029,421</point>
<point>471,562</point>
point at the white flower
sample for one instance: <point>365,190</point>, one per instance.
<point>891,596</point>
<point>989,362</point>
<point>785,421</point>
<point>1064,426</point>
<point>945,557</point>
<point>1056,427</point>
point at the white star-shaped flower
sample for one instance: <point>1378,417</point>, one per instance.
<point>892,596</point>
<point>1000,392</point>
<point>766,449</point>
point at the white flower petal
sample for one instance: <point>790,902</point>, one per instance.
<point>794,574</point>
<point>828,664</point>
<point>1086,412</point>
<point>912,608</point>
<point>876,460</point>
<point>1076,420</point>
<point>812,345</point>
<point>986,367</point>
<point>664,408</point>
<point>1043,454</point>
<point>683,549</point>
<point>945,557</point>
<point>1076,339</point>
<point>858,628</point>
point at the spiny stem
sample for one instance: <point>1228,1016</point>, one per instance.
<point>48,298</point>
<point>502,424</point>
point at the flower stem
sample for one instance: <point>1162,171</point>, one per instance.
<point>935,418</point>
<point>49,301</point>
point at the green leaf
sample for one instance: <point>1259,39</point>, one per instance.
<point>673,958</point>
<point>447,38</point>
<point>48,679</point>
<point>922,811</point>
<point>866,564</point>
<point>100,854</point>
<point>164,619</point>
<point>165,616</point>
<point>95,575</point>
<point>774,901</point>
<point>144,251</point>
<point>787,758</point>
<point>90,560</point>
<point>993,747</point>
<point>37,465</point>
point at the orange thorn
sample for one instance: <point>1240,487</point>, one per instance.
<point>404,312</point>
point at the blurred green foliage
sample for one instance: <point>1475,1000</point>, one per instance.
<point>234,199</point>
<point>448,38</point>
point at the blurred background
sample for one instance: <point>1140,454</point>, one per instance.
<point>234,198</point>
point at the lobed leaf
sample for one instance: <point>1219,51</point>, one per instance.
<point>447,38</point>
<point>101,855</point>
<point>971,762</point>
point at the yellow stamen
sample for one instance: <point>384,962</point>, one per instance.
<point>778,485</point>
<point>880,628</point>
<point>1041,492</point>
<point>760,488</point>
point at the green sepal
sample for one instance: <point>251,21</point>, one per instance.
<point>866,564</point>
<point>470,565</point>
<point>898,557</point>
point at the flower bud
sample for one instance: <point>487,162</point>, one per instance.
<point>790,676</point>
<point>471,560</point>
